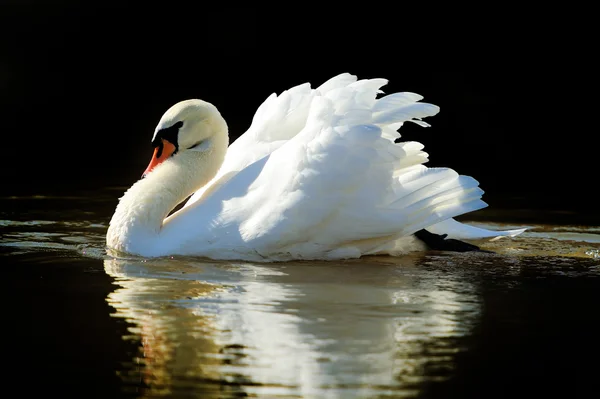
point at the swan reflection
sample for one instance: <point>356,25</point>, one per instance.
<point>345,329</point>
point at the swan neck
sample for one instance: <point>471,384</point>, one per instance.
<point>139,216</point>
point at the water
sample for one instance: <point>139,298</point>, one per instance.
<point>521,322</point>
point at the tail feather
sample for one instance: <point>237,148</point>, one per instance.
<point>461,231</point>
<point>341,80</point>
<point>406,113</point>
<point>396,100</point>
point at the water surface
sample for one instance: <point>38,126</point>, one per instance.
<point>520,322</point>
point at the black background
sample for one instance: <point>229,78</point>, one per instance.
<point>82,85</point>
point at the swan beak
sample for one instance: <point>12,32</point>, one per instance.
<point>161,153</point>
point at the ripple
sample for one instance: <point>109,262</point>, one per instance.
<point>67,224</point>
<point>546,240</point>
<point>81,236</point>
<point>18,223</point>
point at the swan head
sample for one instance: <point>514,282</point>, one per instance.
<point>190,125</point>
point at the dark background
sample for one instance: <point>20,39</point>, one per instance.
<point>82,85</point>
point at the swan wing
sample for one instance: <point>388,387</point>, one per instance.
<point>461,231</point>
<point>277,120</point>
<point>334,185</point>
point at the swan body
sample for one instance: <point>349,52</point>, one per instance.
<point>318,175</point>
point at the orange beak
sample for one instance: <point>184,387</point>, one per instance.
<point>161,153</point>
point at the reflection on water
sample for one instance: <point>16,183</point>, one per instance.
<point>373,327</point>
<point>353,329</point>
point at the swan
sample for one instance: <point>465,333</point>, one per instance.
<point>319,174</point>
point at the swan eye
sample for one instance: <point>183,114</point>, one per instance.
<point>168,133</point>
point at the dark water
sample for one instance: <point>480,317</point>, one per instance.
<point>522,322</point>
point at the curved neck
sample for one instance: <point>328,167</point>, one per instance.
<point>138,218</point>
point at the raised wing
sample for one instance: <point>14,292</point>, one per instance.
<point>277,120</point>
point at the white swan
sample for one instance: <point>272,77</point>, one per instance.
<point>316,176</point>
